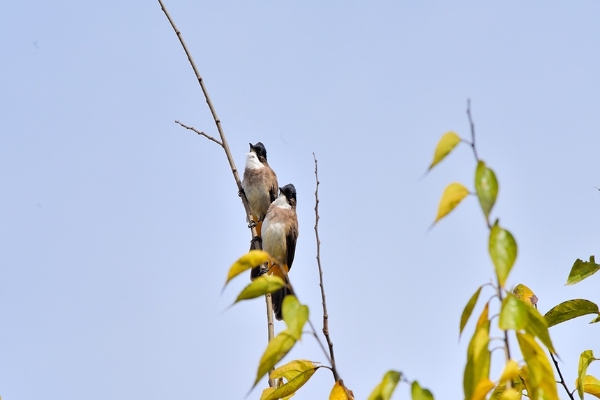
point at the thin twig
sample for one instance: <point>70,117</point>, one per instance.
<point>325,315</point>
<point>225,146</point>
<point>191,128</point>
<point>562,380</point>
<point>472,143</point>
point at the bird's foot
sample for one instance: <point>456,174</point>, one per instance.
<point>256,239</point>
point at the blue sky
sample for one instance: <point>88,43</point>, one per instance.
<point>118,226</point>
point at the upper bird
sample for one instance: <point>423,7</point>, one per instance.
<point>260,186</point>
<point>279,235</point>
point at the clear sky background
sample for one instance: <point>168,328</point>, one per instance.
<point>118,226</point>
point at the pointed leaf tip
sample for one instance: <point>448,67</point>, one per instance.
<point>445,145</point>
<point>466,314</point>
<point>452,196</point>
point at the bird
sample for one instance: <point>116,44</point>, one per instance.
<point>260,186</point>
<point>279,236</point>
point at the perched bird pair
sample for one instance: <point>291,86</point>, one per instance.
<point>274,216</point>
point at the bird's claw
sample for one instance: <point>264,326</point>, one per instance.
<point>256,239</point>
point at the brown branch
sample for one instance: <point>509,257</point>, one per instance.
<point>191,128</point>
<point>562,380</point>
<point>225,146</point>
<point>325,315</point>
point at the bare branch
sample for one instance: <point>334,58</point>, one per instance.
<point>472,142</point>
<point>562,380</point>
<point>191,128</point>
<point>325,315</point>
<point>225,146</point>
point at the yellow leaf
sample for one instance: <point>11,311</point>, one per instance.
<point>296,372</point>
<point>511,394</point>
<point>447,142</point>
<point>260,286</point>
<point>591,385</point>
<point>290,370</point>
<point>466,314</point>
<point>276,350</point>
<point>452,196</point>
<point>478,356</point>
<point>540,375</point>
<point>511,371</point>
<point>252,259</point>
<point>525,294</point>
<point>339,392</point>
<point>295,315</point>
<point>585,359</point>
<point>482,388</point>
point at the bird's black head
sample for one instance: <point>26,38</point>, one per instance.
<point>260,150</point>
<point>289,191</point>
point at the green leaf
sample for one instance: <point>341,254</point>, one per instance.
<point>252,259</point>
<point>418,393</point>
<point>477,368</point>
<point>521,316</point>
<point>452,196</point>
<point>260,286</point>
<point>466,314</point>
<point>582,269</point>
<point>276,350</point>
<point>295,315</point>
<point>486,186</point>
<point>503,250</point>
<point>446,144</point>
<point>540,373</point>
<point>570,309</point>
<point>585,359</point>
<point>385,389</point>
<point>296,373</point>
<point>525,294</point>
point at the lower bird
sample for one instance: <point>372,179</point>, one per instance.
<point>279,235</point>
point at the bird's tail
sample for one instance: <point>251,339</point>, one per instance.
<point>278,296</point>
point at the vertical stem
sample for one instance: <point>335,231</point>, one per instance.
<point>225,147</point>
<point>324,302</point>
